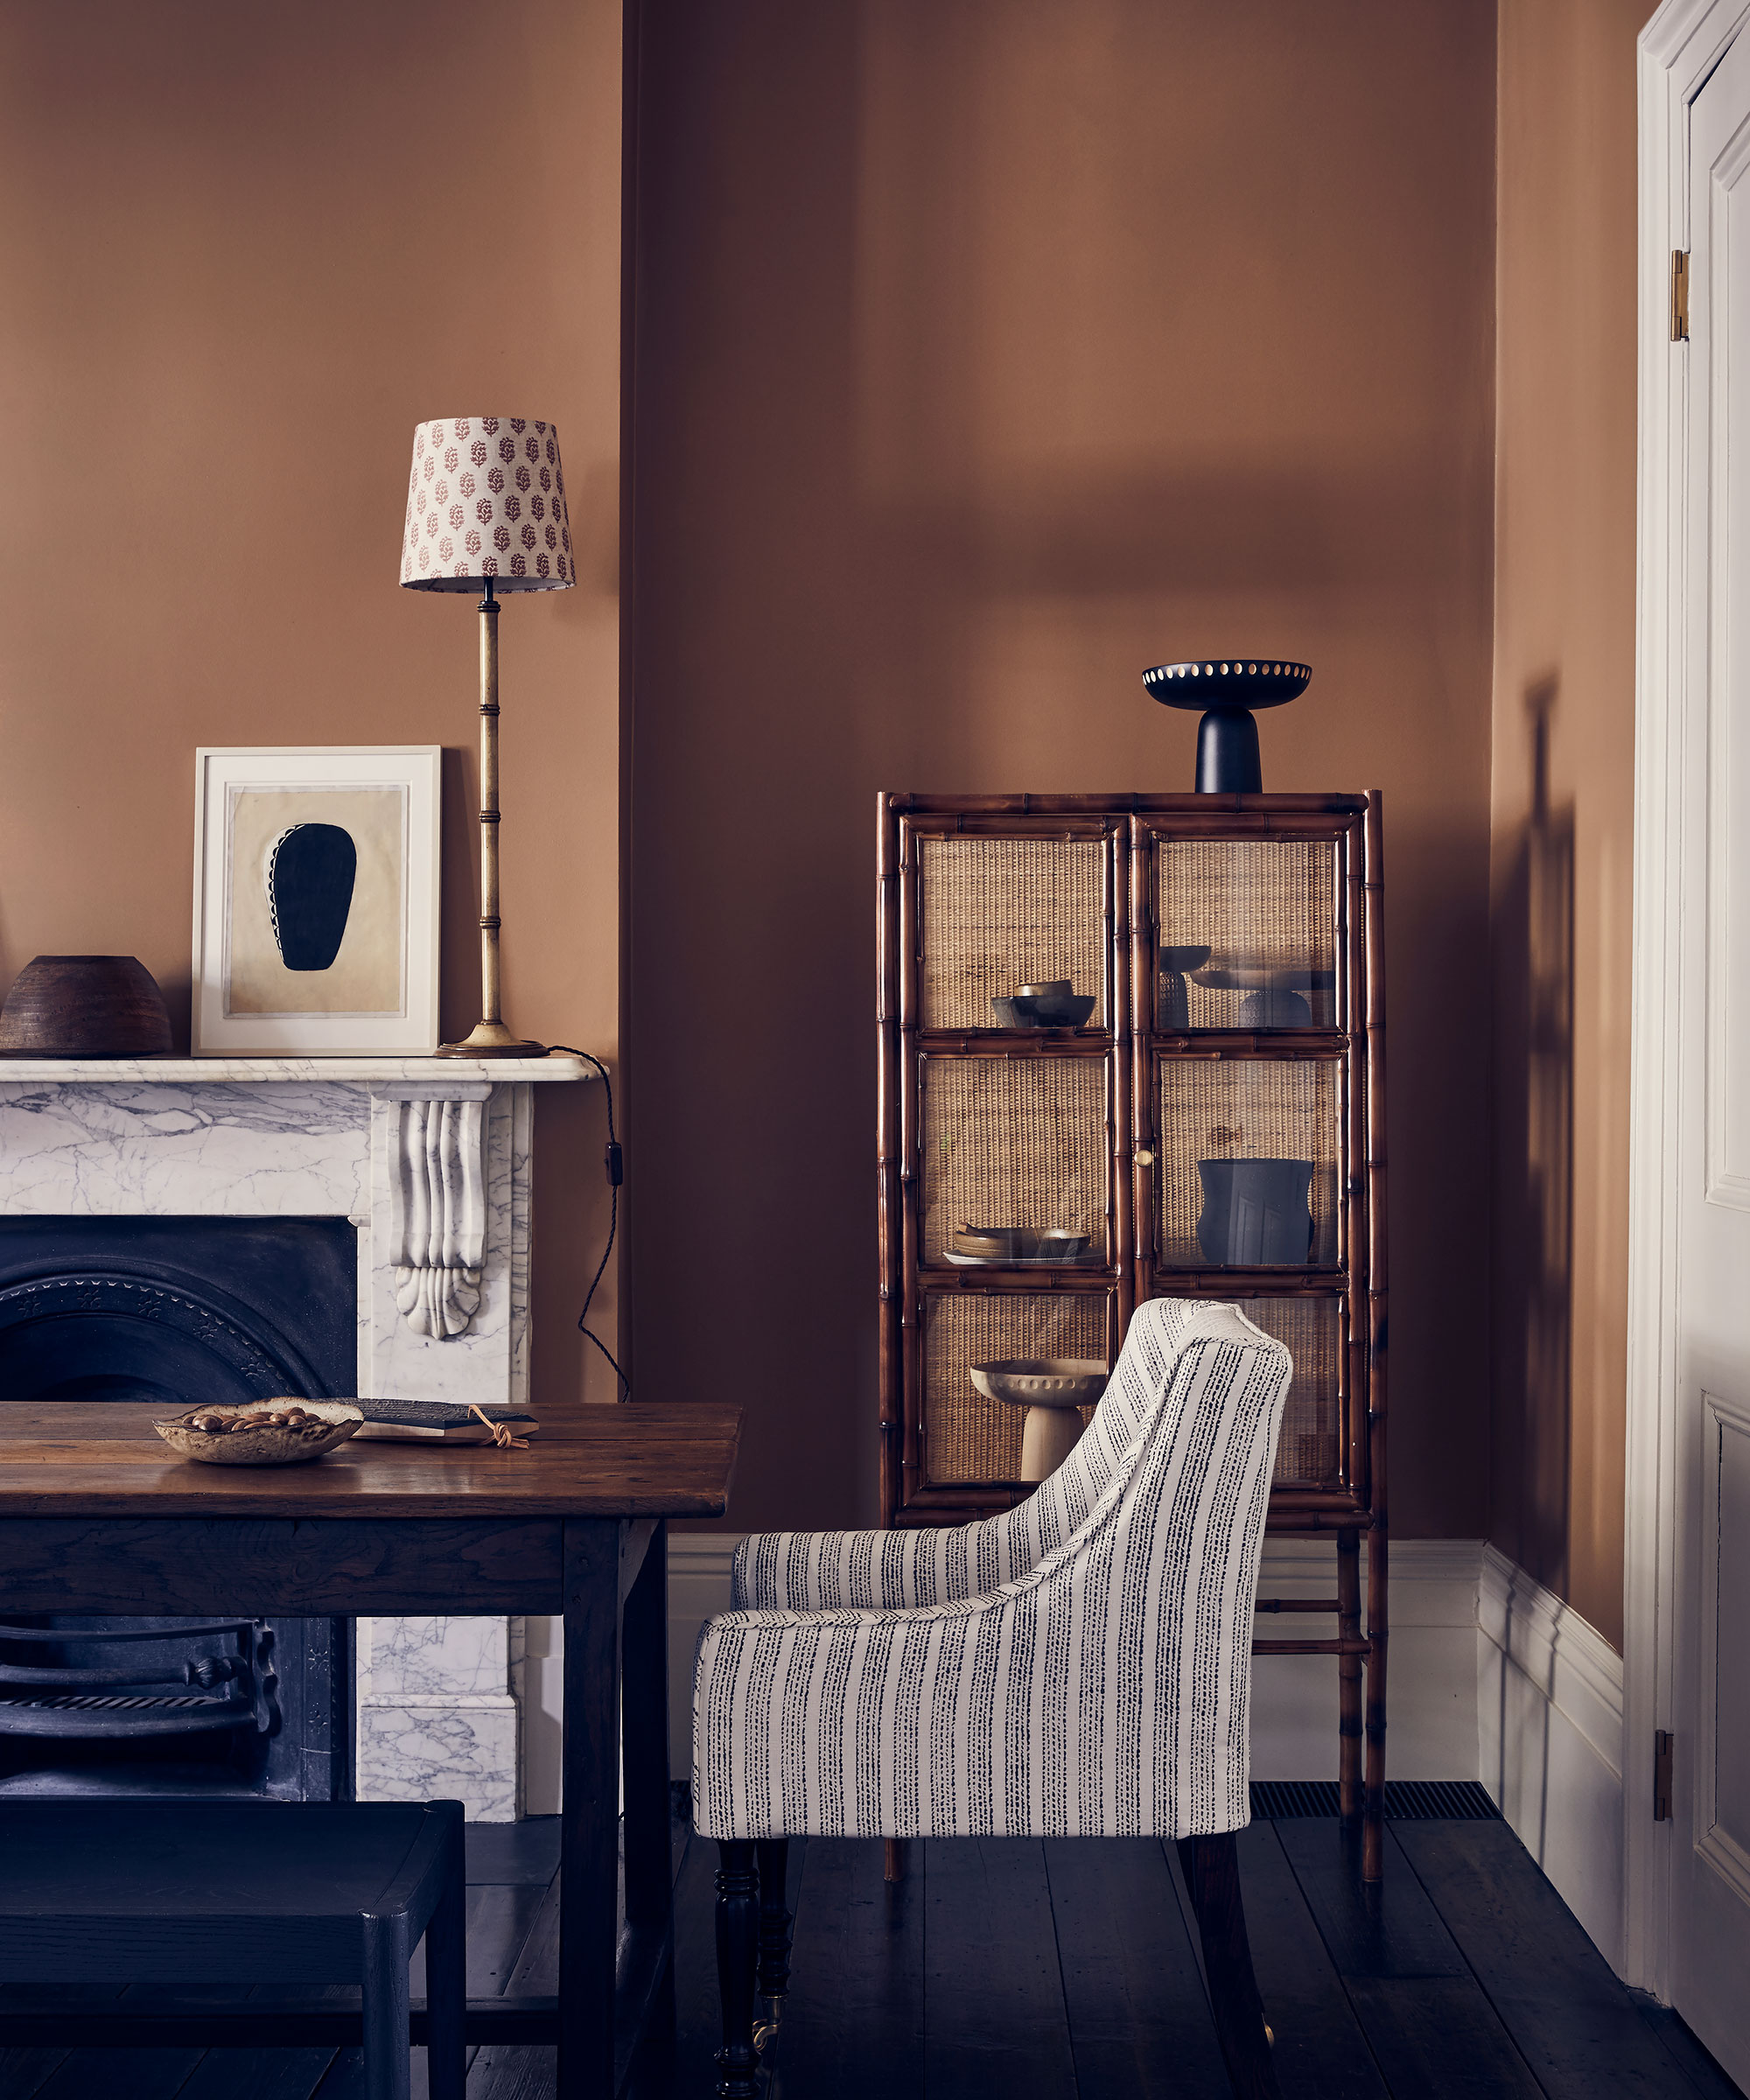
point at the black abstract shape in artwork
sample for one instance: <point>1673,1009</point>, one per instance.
<point>310,870</point>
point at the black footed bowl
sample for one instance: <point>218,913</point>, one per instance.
<point>1228,682</point>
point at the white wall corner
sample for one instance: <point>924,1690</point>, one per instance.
<point>1550,1737</point>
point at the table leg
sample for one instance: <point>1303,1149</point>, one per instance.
<point>588,1850</point>
<point>644,1740</point>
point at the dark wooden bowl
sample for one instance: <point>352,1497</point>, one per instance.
<point>84,1006</point>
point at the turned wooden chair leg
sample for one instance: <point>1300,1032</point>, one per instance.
<point>773,1857</point>
<point>1212,1874</point>
<point>737,1946</point>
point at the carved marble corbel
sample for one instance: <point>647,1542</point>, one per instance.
<point>437,1209</point>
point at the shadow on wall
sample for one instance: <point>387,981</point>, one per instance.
<point>1533,1306</point>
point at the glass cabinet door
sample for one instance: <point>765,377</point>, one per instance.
<point>970,1439</point>
<point>1313,1450</point>
<point>1248,1163</point>
<point>998,916</point>
<point>1246,934</point>
<point>1016,1160</point>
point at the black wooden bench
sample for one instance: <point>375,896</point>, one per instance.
<point>197,1892</point>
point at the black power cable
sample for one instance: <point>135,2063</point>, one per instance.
<point>616,1174</point>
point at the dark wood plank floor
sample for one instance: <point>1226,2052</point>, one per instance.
<point>1012,1969</point>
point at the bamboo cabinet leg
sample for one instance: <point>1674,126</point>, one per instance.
<point>1350,1675</point>
<point>1373,1826</point>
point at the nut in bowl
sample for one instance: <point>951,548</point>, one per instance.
<point>261,1432</point>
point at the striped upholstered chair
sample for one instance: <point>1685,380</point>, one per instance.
<point>1079,1666</point>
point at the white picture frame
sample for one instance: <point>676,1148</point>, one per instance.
<point>327,948</point>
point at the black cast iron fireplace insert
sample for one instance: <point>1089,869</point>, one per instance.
<point>164,1312</point>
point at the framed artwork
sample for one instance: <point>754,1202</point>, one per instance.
<point>316,901</point>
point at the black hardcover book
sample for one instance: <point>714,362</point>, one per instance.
<point>438,1421</point>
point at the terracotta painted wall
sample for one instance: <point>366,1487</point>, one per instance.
<point>244,250</point>
<point>988,351</point>
<point>1562,795</point>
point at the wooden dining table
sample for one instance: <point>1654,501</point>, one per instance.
<point>97,1515</point>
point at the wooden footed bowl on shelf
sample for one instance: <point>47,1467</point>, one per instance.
<point>1051,1389</point>
<point>84,1006</point>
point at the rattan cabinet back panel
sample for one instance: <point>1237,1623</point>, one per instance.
<point>1213,1128</point>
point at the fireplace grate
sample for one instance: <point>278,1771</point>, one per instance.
<point>47,1694</point>
<point>90,1713</point>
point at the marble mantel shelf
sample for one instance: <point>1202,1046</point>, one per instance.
<point>180,1071</point>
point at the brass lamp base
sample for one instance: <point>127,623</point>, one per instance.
<point>491,1038</point>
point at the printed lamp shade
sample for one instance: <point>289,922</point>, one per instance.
<point>486,497</point>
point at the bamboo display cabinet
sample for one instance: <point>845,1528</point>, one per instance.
<point>1214,1129</point>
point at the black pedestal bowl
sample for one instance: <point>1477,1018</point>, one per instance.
<point>1226,688</point>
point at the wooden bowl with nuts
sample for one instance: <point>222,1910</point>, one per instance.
<point>262,1433</point>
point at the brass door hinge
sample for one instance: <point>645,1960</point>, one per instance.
<point>1680,295</point>
<point>1661,1776</point>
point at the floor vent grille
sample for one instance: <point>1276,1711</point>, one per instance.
<point>1406,1800</point>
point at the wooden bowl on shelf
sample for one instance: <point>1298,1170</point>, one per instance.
<point>84,1006</point>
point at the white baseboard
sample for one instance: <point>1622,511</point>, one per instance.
<point>1432,1672</point>
<point>1549,1718</point>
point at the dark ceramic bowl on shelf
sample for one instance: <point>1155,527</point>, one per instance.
<point>84,1006</point>
<point>1056,1009</point>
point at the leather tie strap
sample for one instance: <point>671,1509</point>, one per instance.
<point>502,1439</point>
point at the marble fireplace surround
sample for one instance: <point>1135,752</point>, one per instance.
<point>431,1160</point>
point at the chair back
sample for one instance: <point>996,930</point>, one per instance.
<point>1001,1548</point>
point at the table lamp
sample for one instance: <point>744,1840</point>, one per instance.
<point>485,506</point>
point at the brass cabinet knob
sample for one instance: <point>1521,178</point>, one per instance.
<point>1144,1159</point>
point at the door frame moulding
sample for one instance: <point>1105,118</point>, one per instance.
<point>1678,49</point>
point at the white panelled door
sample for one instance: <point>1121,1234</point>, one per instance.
<point>1710,1843</point>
